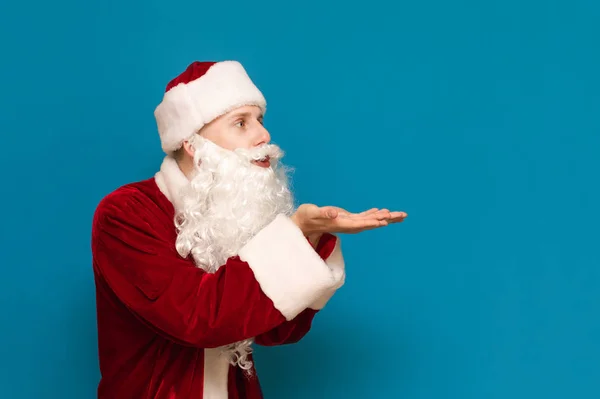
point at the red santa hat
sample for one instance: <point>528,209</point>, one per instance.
<point>203,92</point>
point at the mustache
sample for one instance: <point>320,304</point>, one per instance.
<point>272,151</point>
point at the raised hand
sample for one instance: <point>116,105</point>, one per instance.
<point>312,219</point>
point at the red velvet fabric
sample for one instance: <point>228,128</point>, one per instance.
<point>156,311</point>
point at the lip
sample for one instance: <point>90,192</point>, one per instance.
<point>263,164</point>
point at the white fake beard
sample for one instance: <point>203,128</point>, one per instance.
<point>227,202</point>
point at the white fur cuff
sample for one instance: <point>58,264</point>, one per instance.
<point>335,261</point>
<point>287,268</point>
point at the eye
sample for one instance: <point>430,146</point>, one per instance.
<point>240,123</point>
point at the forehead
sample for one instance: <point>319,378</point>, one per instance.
<point>246,110</point>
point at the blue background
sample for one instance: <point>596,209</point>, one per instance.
<point>479,119</point>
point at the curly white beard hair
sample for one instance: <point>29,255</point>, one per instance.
<point>227,202</point>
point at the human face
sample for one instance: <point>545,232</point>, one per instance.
<point>239,128</point>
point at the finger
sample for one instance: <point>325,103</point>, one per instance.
<point>359,230</point>
<point>368,212</point>
<point>390,216</point>
<point>397,217</point>
<point>385,213</point>
<point>381,223</point>
<point>381,214</point>
<point>344,213</point>
<point>374,213</point>
<point>343,225</point>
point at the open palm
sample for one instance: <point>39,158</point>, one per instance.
<point>332,219</point>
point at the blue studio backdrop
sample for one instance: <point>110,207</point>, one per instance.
<point>478,119</point>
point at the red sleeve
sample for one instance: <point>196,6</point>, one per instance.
<point>294,330</point>
<point>276,276</point>
<point>289,332</point>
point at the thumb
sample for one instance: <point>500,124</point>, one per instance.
<point>329,212</point>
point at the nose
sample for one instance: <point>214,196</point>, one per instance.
<point>263,135</point>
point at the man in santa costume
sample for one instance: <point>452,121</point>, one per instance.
<point>209,257</point>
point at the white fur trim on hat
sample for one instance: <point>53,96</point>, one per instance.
<point>186,108</point>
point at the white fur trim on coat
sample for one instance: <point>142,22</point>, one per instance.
<point>216,371</point>
<point>186,108</point>
<point>171,180</point>
<point>287,267</point>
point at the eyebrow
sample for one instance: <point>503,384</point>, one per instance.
<point>245,114</point>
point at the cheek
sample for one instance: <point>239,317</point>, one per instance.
<point>237,141</point>
<point>230,138</point>
<point>228,141</point>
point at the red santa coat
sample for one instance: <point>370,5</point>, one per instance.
<point>162,320</point>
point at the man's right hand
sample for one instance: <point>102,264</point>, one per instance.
<point>312,219</point>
